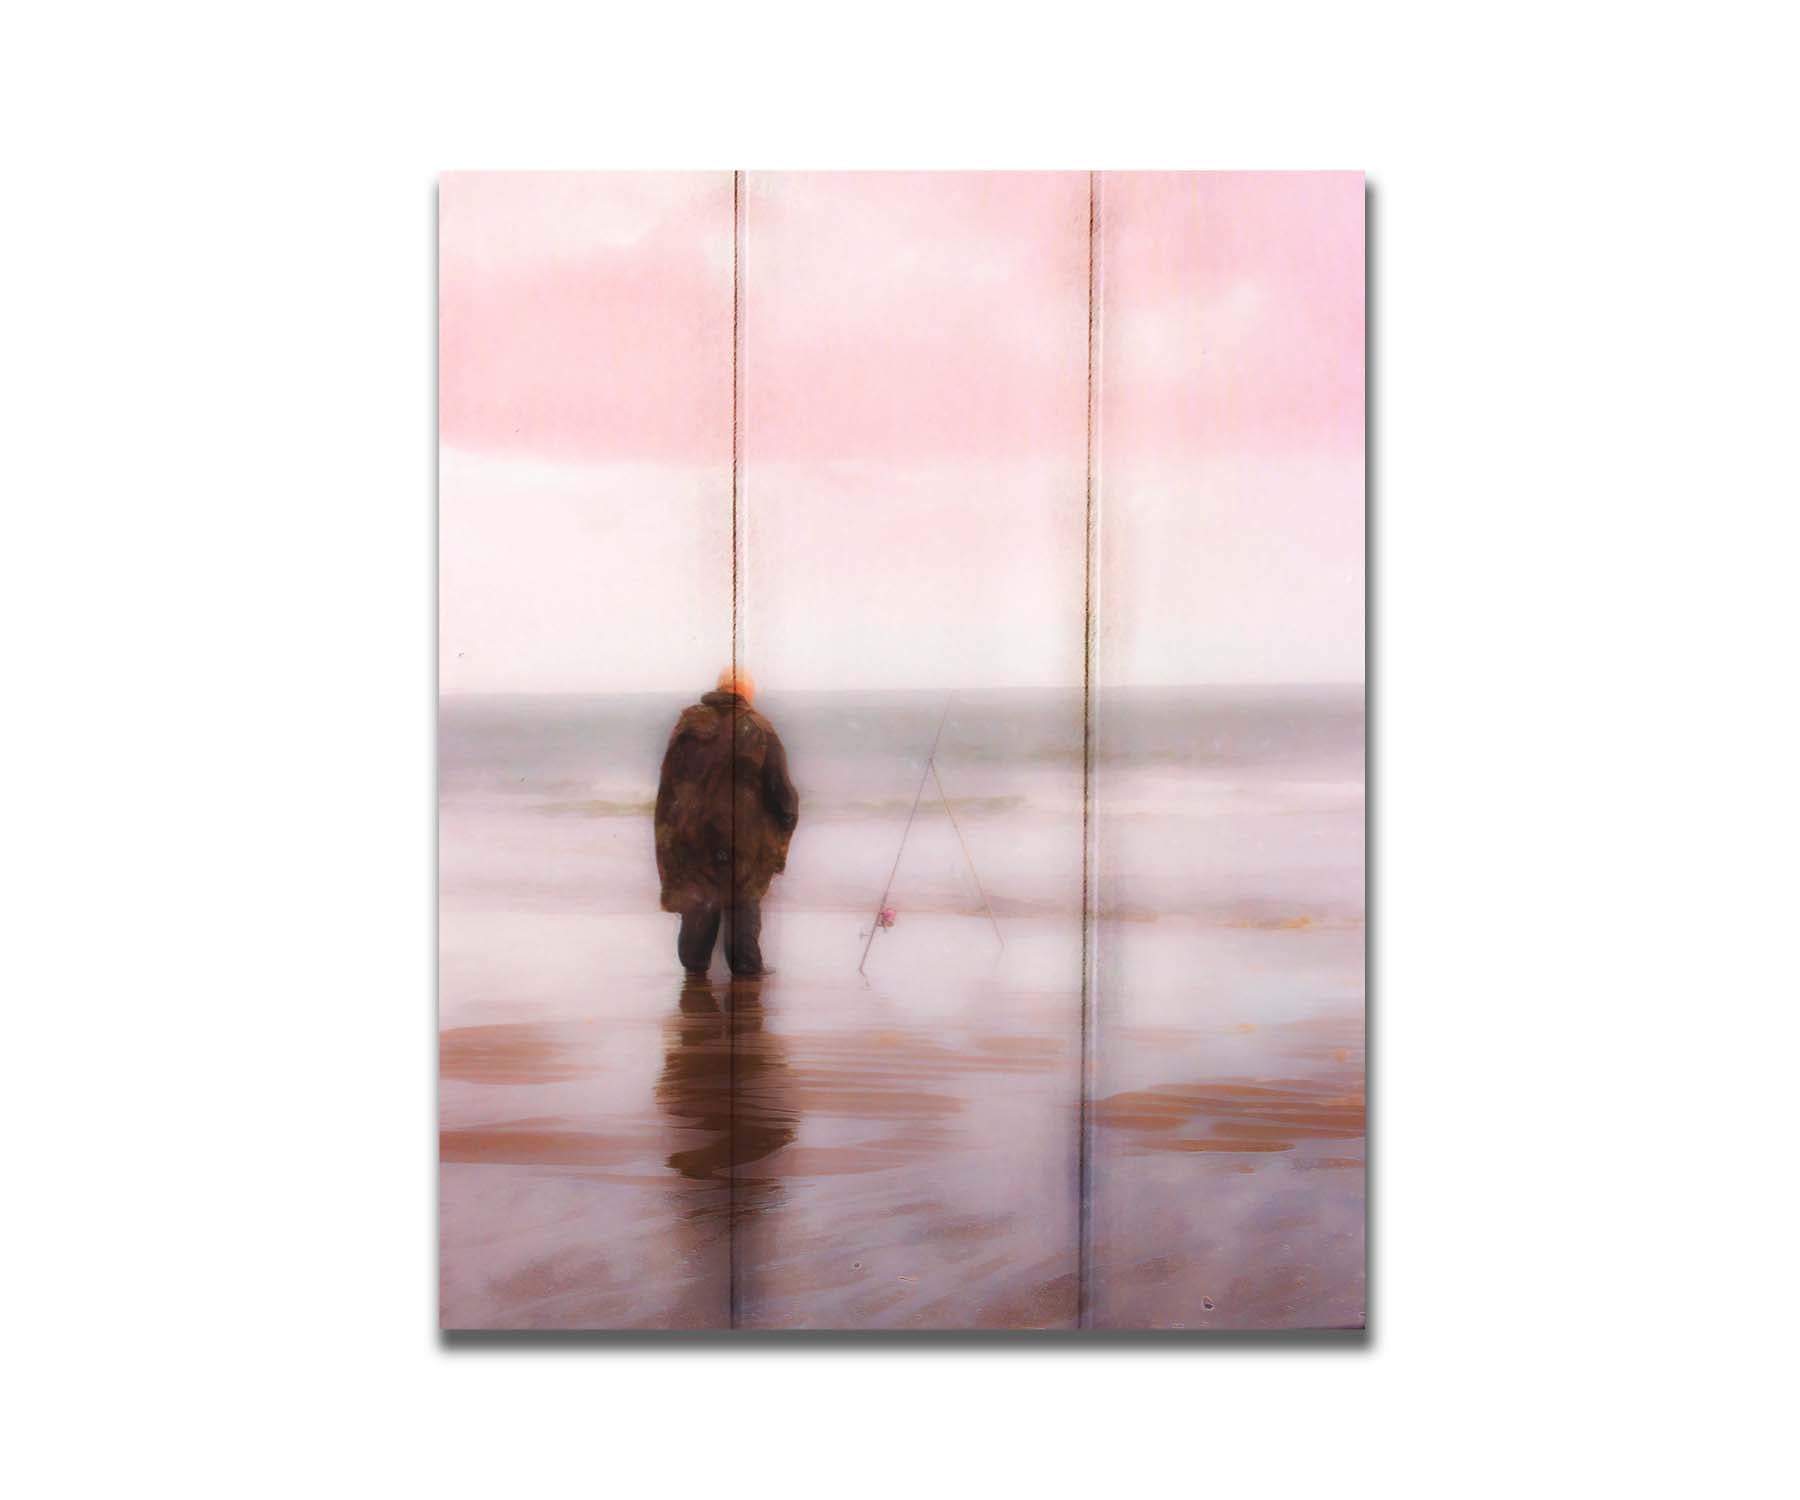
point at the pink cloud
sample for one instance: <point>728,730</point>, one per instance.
<point>915,317</point>
<point>1233,311</point>
<point>897,317</point>
<point>586,316</point>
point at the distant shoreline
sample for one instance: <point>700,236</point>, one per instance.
<point>936,695</point>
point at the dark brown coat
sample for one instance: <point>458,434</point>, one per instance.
<point>725,808</point>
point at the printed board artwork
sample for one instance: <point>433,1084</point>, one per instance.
<point>901,751</point>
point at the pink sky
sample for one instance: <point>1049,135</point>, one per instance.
<point>1233,311</point>
<point>582,316</point>
<point>913,425</point>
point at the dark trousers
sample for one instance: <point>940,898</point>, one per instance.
<point>700,928</point>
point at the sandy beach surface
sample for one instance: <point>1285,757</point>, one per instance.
<point>624,1148</point>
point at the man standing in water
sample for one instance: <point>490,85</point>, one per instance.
<point>725,810</point>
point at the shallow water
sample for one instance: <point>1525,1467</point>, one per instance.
<point>623,1148</point>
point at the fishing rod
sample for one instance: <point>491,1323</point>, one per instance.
<point>968,858</point>
<point>930,773</point>
<point>881,905</point>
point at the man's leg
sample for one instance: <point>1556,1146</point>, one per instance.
<point>699,928</point>
<point>743,930</point>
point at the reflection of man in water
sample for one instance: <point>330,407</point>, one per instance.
<point>725,1086</point>
<point>724,813</point>
<point>727,1095</point>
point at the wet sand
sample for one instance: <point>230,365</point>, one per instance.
<point>800,1151</point>
<point>811,1151</point>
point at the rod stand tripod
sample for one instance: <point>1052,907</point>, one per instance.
<point>930,774</point>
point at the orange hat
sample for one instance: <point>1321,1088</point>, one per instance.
<point>737,680</point>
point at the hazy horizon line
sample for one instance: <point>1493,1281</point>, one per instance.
<point>1074,687</point>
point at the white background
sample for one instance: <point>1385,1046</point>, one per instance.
<point>217,594</point>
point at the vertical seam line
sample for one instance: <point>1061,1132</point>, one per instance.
<point>729,926</point>
<point>1084,1249</point>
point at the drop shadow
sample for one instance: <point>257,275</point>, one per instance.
<point>880,1342</point>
